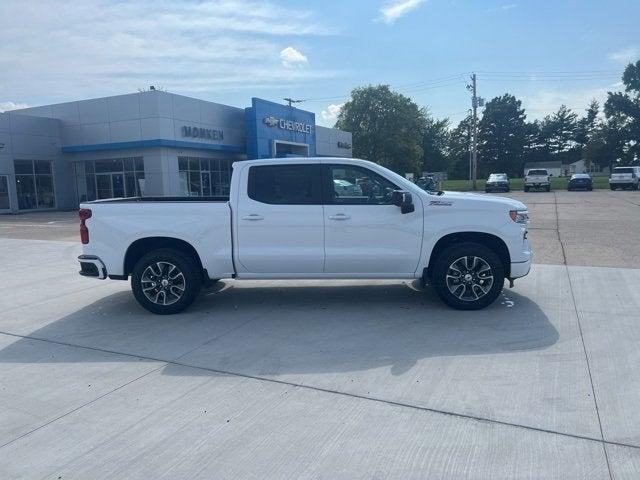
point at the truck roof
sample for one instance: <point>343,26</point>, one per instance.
<point>294,160</point>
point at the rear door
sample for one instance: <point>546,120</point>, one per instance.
<point>280,224</point>
<point>364,232</point>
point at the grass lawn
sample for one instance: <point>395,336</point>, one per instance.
<point>557,183</point>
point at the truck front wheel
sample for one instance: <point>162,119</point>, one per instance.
<point>166,281</point>
<point>468,276</point>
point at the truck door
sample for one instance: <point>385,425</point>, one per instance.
<point>364,232</point>
<point>280,226</point>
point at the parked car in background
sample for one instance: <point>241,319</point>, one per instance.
<point>624,177</point>
<point>580,181</point>
<point>428,184</point>
<point>497,182</point>
<point>537,179</point>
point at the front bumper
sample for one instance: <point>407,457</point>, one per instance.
<point>621,183</point>
<point>92,266</point>
<point>537,184</point>
<point>496,186</point>
<point>520,269</point>
<point>585,185</point>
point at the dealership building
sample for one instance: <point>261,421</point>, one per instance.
<point>147,143</point>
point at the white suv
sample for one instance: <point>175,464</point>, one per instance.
<point>625,177</point>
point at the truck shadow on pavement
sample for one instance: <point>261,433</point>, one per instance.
<point>291,328</point>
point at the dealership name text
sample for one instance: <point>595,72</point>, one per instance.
<point>287,124</point>
<point>205,133</point>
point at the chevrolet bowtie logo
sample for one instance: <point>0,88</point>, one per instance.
<point>270,121</point>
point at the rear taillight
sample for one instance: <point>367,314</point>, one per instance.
<point>84,214</point>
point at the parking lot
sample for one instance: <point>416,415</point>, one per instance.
<point>339,379</point>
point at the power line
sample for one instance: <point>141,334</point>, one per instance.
<point>408,87</point>
<point>492,76</point>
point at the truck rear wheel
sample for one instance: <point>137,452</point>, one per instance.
<point>468,276</point>
<point>166,281</point>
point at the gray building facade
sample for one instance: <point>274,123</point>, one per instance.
<point>147,143</point>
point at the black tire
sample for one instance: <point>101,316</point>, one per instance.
<point>508,190</point>
<point>548,188</point>
<point>179,289</point>
<point>526,189</point>
<point>450,293</point>
<point>612,187</point>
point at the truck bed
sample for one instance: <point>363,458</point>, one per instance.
<point>161,199</point>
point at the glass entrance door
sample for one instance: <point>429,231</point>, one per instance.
<point>110,185</point>
<point>4,194</point>
<point>103,182</point>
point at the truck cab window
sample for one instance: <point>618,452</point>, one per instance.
<point>285,184</point>
<point>358,186</point>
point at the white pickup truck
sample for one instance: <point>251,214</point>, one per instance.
<point>537,178</point>
<point>307,218</point>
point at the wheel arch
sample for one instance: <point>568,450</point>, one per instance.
<point>145,245</point>
<point>489,240</point>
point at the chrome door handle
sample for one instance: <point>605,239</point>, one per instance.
<point>253,216</point>
<point>339,216</point>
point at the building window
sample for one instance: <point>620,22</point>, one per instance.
<point>34,184</point>
<point>109,178</point>
<point>204,177</point>
<point>4,193</point>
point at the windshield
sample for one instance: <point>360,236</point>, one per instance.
<point>400,180</point>
<point>497,176</point>
<point>579,175</point>
<point>537,172</point>
<point>623,170</point>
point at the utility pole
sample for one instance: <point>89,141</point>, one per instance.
<point>291,100</point>
<point>474,133</point>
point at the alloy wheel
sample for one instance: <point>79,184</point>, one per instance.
<point>163,283</point>
<point>469,278</point>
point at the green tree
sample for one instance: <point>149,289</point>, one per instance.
<point>387,128</point>
<point>587,125</point>
<point>458,150</point>
<point>535,146</point>
<point>623,110</point>
<point>502,136</point>
<point>560,132</point>
<point>435,142</point>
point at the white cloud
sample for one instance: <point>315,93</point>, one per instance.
<point>395,9</point>
<point>546,102</point>
<point>626,55</point>
<point>105,47</point>
<point>291,57</point>
<point>6,106</point>
<point>332,112</point>
<point>502,8</point>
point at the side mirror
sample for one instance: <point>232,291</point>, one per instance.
<point>404,200</point>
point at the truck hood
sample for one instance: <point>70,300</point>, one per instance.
<point>473,200</point>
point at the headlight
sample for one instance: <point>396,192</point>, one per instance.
<point>519,216</point>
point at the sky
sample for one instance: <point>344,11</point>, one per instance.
<point>545,52</point>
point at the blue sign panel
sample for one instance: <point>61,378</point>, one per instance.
<point>278,130</point>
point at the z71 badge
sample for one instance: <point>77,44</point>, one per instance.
<point>440,203</point>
